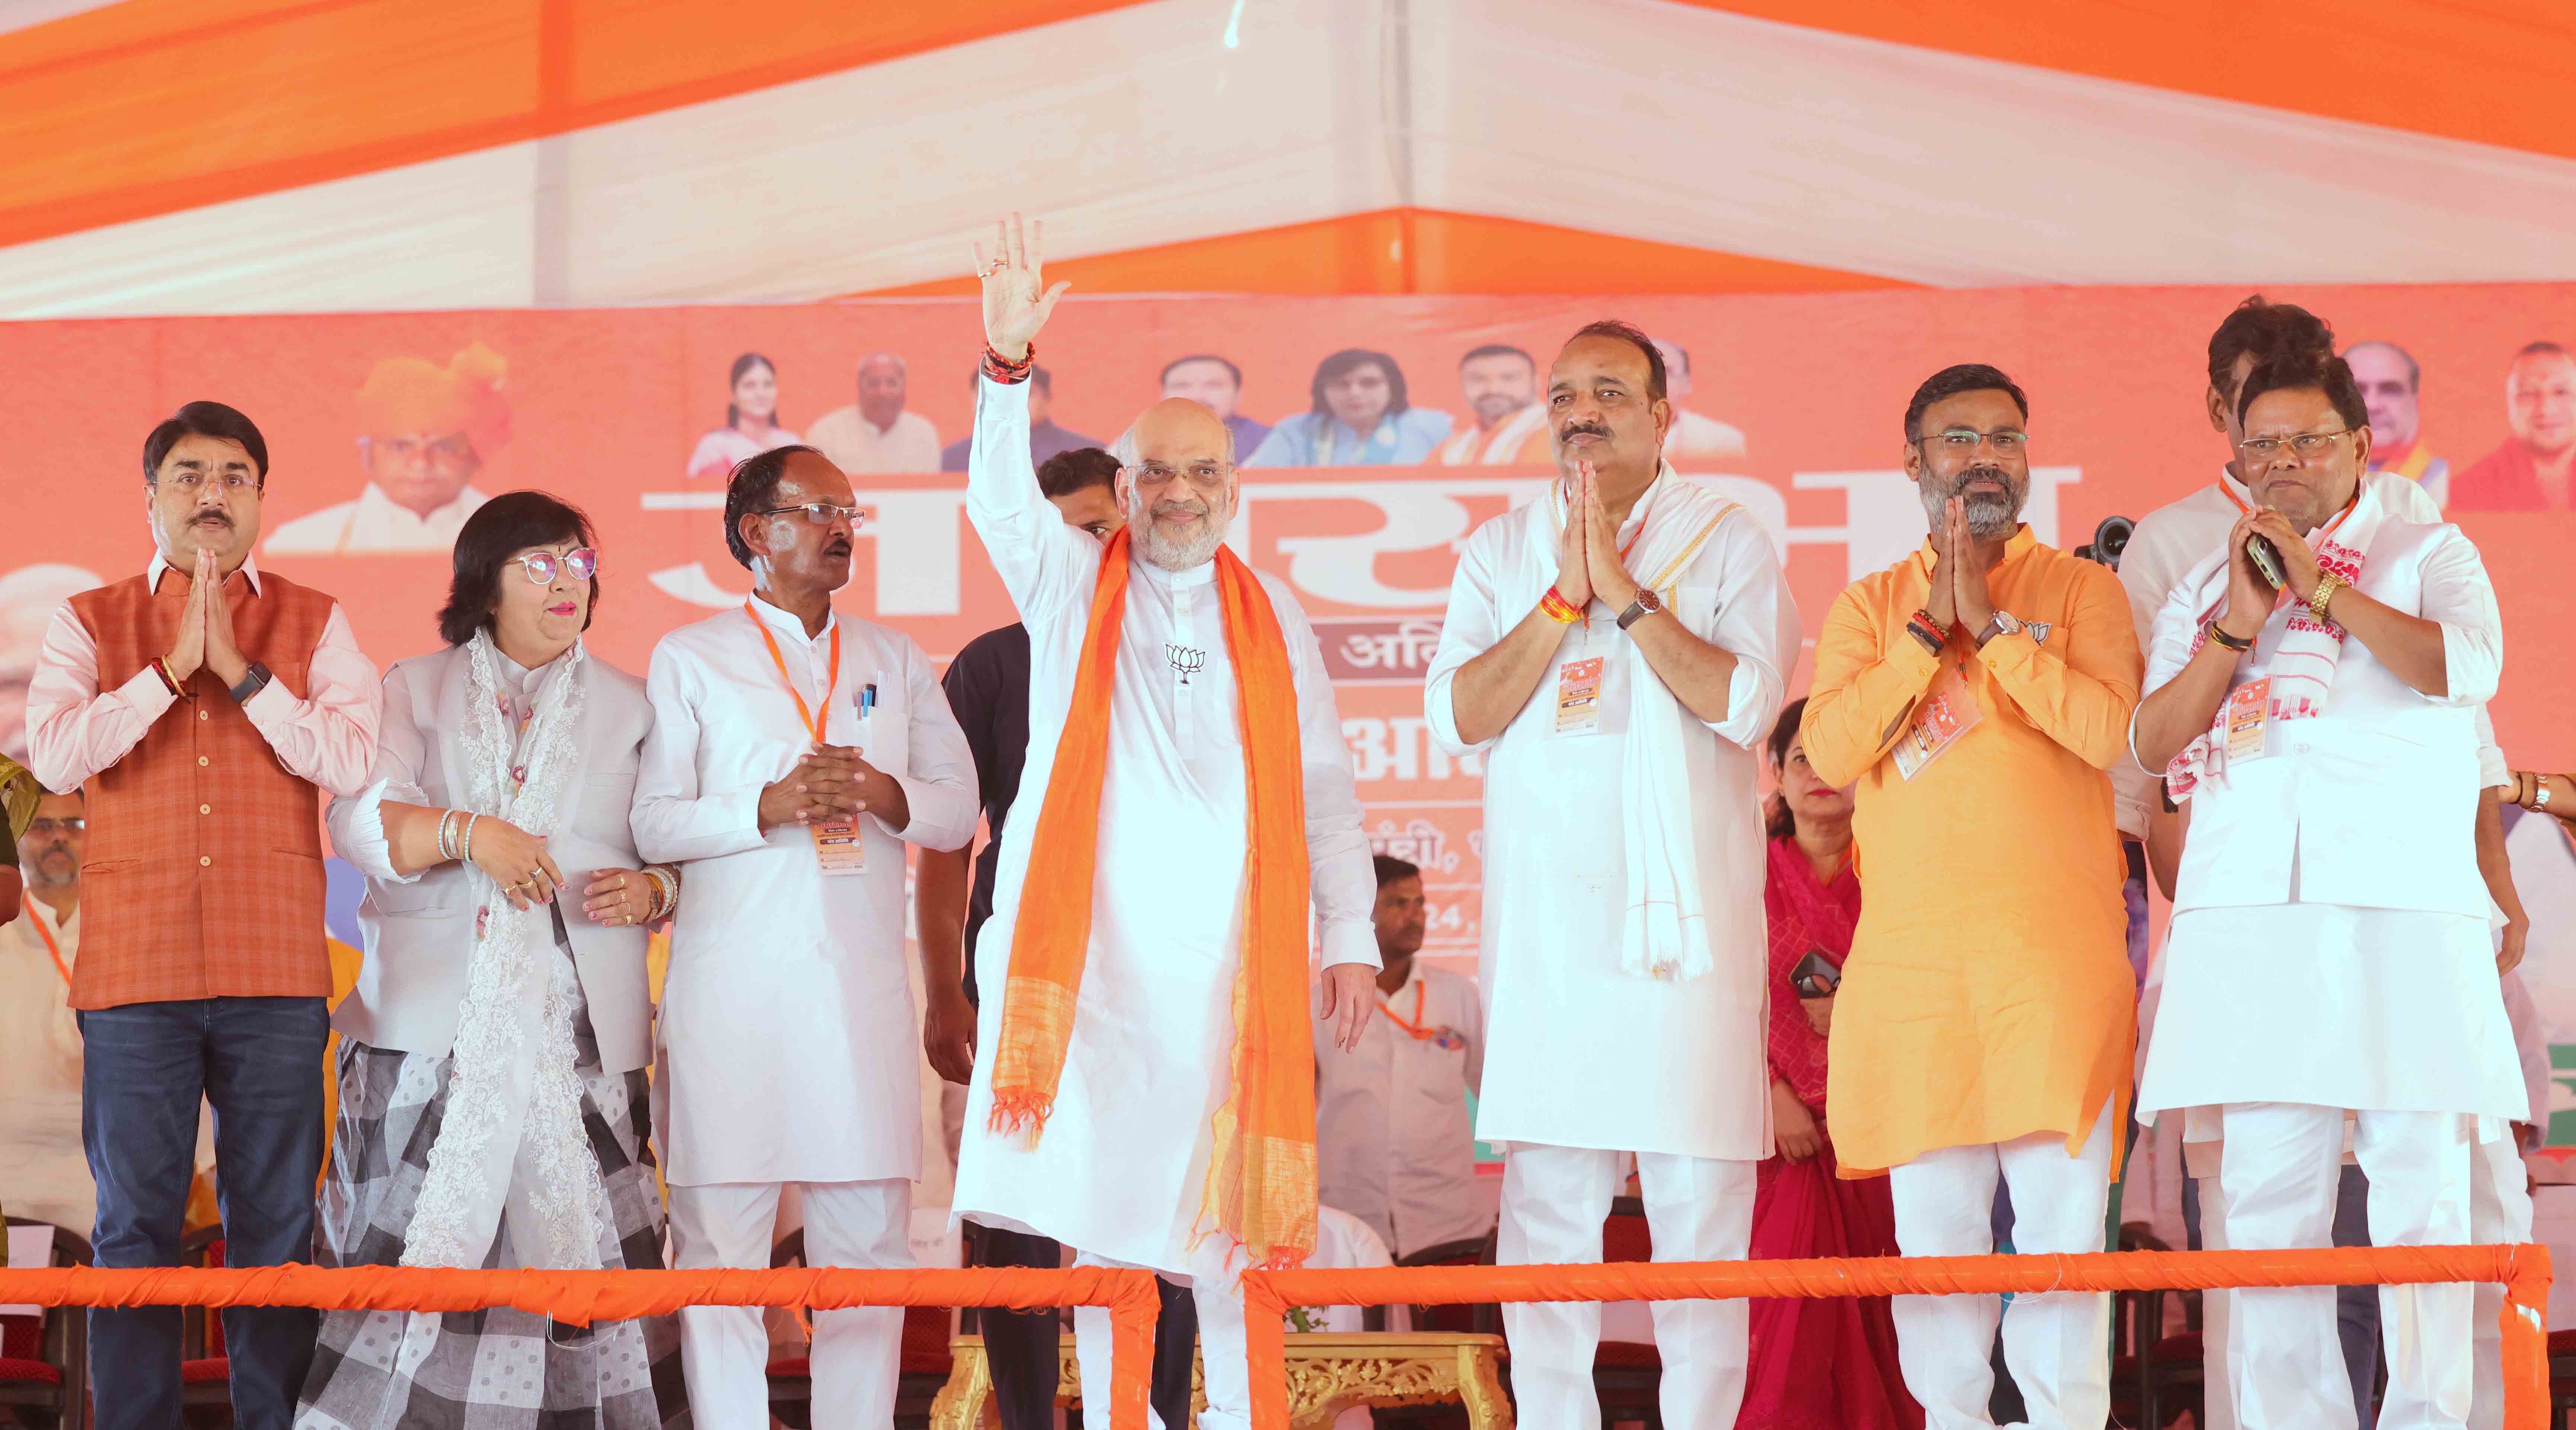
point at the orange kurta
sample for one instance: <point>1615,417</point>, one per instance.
<point>1988,995</point>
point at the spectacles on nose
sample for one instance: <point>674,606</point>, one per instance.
<point>820,512</point>
<point>2306,446</point>
<point>56,826</point>
<point>454,449</point>
<point>2006,441</point>
<point>580,565</point>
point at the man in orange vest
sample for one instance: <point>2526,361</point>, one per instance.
<point>204,708</point>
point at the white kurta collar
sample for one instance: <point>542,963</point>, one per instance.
<point>788,623</point>
<point>66,931</point>
<point>152,572</point>
<point>2227,483</point>
<point>1196,576</point>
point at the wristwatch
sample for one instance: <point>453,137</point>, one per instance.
<point>253,681</point>
<point>2005,623</point>
<point>1646,604</point>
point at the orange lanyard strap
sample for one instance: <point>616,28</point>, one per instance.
<point>804,712</point>
<point>51,947</point>
<point>1420,1033</point>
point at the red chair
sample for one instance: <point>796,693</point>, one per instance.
<point>1480,1318</point>
<point>44,1360</point>
<point>925,1361</point>
<point>2562,1377</point>
<point>205,1371</point>
<point>1628,1375</point>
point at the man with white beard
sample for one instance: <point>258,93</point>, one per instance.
<point>1144,1083</point>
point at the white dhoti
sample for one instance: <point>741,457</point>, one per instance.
<point>857,1353</point>
<point>1698,1208</point>
<point>2056,1345</point>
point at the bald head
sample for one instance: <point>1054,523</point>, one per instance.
<point>881,389</point>
<point>1176,482</point>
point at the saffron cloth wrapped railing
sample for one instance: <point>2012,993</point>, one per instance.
<point>581,1297</point>
<point>2523,1271</point>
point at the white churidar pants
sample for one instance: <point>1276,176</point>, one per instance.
<point>2217,1313</point>
<point>2281,1165</point>
<point>857,1353</point>
<point>1216,1287</point>
<point>2056,1345</point>
<point>1698,1208</point>
<point>2499,1215</point>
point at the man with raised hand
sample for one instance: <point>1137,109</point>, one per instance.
<point>1144,1082</point>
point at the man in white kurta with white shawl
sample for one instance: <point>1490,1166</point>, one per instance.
<point>1622,646</point>
<point>2325,736</point>
<point>794,753</point>
<point>1144,1085</point>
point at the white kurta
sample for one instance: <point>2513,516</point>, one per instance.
<point>2329,941</point>
<point>1583,1053</point>
<point>373,522</point>
<point>788,1040</point>
<point>1392,1142</point>
<point>1120,1169</point>
<point>44,1173</point>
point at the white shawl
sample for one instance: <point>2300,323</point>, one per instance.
<point>512,1133</point>
<point>1666,931</point>
<point>2303,664</point>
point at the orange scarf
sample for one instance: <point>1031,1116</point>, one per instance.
<point>1261,1178</point>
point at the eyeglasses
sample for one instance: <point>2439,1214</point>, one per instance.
<point>2007,441</point>
<point>233,482</point>
<point>57,826</point>
<point>2307,446</point>
<point>820,512</point>
<point>580,565</point>
<point>1206,476</point>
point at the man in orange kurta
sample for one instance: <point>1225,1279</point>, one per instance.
<point>1976,693</point>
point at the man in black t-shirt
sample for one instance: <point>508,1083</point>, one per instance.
<point>988,689</point>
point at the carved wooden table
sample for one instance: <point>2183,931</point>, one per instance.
<point>1328,1372</point>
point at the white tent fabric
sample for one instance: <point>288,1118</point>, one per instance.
<point>1141,126</point>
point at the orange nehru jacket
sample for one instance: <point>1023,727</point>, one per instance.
<point>1988,994</point>
<point>204,872</point>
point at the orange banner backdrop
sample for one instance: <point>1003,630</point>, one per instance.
<point>608,407</point>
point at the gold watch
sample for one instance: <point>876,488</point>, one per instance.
<point>2318,599</point>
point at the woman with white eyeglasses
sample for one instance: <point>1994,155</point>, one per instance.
<point>491,1066</point>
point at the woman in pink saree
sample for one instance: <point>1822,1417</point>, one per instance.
<point>1828,1363</point>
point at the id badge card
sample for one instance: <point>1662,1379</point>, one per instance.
<point>2249,715</point>
<point>838,847</point>
<point>1946,712</point>
<point>1578,696</point>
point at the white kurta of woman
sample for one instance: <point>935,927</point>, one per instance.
<point>1625,959</point>
<point>1120,1169</point>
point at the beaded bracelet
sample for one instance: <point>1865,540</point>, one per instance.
<point>446,849</point>
<point>468,844</point>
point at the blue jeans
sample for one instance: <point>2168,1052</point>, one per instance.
<point>144,1068</point>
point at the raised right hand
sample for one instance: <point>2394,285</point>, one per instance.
<point>1573,553</point>
<point>1016,298</point>
<point>823,785</point>
<point>189,650</point>
<point>516,860</point>
<point>2250,598</point>
<point>1942,602</point>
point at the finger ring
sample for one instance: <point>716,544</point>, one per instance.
<point>989,269</point>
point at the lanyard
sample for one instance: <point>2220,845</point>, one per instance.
<point>56,949</point>
<point>804,712</point>
<point>1420,1033</point>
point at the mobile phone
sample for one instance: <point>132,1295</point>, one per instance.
<point>1815,976</point>
<point>2267,560</point>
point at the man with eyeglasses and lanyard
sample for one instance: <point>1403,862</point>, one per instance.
<point>1978,692</point>
<point>2313,697</point>
<point>794,753</point>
